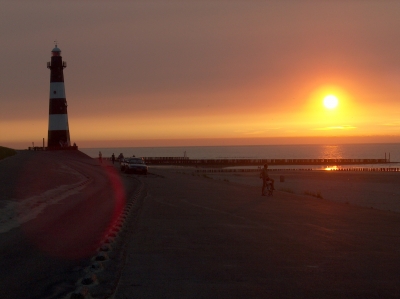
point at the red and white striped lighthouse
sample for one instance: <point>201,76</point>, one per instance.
<point>58,135</point>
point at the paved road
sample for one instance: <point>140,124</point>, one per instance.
<point>54,210</point>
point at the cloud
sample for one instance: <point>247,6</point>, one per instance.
<point>344,127</point>
<point>392,124</point>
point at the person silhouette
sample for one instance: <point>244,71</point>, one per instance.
<point>266,179</point>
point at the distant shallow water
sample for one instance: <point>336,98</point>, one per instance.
<point>375,167</point>
<point>340,151</point>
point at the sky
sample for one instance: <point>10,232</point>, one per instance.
<point>199,72</point>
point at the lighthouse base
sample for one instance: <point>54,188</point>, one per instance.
<point>66,148</point>
<point>58,139</point>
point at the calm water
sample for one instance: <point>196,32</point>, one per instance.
<point>340,151</point>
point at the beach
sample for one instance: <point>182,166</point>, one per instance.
<point>214,236</point>
<point>56,210</point>
<point>379,190</point>
<point>188,234</point>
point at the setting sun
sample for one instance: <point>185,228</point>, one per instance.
<point>330,101</point>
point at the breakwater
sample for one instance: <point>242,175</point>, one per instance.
<point>347,169</point>
<point>185,161</point>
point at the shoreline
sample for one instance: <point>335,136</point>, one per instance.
<point>378,190</point>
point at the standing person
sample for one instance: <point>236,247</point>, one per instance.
<point>113,158</point>
<point>266,179</point>
<point>100,157</point>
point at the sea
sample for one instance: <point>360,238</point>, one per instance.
<point>389,151</point>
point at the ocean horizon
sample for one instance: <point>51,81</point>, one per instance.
<point>389,151</point>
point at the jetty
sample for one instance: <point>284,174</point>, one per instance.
<point>186,161</point>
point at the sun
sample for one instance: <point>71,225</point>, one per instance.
<point>331,101</point>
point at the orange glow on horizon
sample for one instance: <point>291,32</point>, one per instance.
<point>166,82</point>
<point>265,119</point>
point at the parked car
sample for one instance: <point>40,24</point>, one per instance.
<point>122,164</point>
<point>134,165</point>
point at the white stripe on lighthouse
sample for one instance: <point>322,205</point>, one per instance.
<point>57,90</point>
<point>58,122</point>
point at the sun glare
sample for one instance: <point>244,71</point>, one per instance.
<point>330,101</point>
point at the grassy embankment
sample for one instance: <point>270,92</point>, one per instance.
<point>6,152</point>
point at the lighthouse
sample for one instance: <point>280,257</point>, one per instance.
<point>58,136</point>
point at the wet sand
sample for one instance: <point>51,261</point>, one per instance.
<point>380,190</point>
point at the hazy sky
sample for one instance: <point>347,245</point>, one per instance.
<point>202,72</point>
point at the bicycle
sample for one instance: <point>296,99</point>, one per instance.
<point>267,189</point>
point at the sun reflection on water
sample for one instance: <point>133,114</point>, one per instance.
<point>331,152</point>
<point>329,168</point>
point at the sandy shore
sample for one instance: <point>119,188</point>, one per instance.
<point>196,235</point>
<point>380,190</point>
<point>56,209</point>
<point>32,181</point>
<point>214,236</point>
